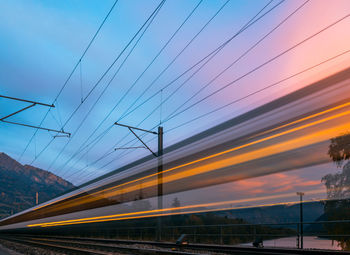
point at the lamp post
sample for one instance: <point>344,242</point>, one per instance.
<point>301,194</point>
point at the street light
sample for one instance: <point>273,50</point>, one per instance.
<point>301,194</point>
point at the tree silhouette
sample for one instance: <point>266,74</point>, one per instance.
<point>337,207</point>
<point>176,202</point>
<point>339,149</point>
<point>338,184</point>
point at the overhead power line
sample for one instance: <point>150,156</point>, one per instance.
<point>212,54</point>
<point>92,143</point>
<point>233,102</point>
<point>69,76</point>
<point>101,135</point>
<point>207,58</point>
<point>261,65</point>
<point>134,83</point>
<point>250,22</point>
<point>173,60</point>
<point>237,59</point>
<point>101,78</point>
<point>125,153</point>
<point>269,61</point>
<point>259,91</point>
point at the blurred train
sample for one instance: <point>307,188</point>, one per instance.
<point>288,133</point>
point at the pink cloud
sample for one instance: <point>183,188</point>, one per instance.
<point>271,184</point>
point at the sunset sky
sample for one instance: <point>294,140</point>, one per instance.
<point>41,41</point>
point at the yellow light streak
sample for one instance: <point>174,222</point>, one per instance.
<point>303,119</point>
<point>233,160</point>
<point>120,216</point>
<point>268,131</point>
<point>264,152</point>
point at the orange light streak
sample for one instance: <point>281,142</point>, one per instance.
<point>318,136</point>
<point>264,152</point>
<point>303,119</point>
<point>120,216</point>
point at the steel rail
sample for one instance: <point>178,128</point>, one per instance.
<point>185,249</point>
<point>91,247</point>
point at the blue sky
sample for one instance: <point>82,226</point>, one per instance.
<point>41,41</point>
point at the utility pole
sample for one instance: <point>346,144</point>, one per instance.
<point>36,198</point>
<point>158,155</point>
<point>160,181</point>
<point>301,194</point>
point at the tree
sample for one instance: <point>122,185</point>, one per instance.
<point>176,202</point>
<point>338,184</point>
<point>337,207</point>
<point>339,149</point>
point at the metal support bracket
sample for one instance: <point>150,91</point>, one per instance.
<point>32,104</point>
<point>21,110</point>
<point>140,129</point>
<point>148,148</point>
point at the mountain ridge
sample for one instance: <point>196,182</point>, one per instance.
<point>19,184</point>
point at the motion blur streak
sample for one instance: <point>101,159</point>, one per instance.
<point>236,148</point>
<point>333,125</point>
<point>289,133</point>
<point>305,118</point>
<point>146,214</point>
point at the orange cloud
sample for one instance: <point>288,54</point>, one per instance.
<point>273,183</point>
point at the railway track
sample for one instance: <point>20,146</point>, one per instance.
<point>72,245</point>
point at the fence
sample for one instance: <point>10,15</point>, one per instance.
<point>240,233</point>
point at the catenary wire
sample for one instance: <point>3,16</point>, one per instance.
<point>69,77</point>
<point>237,59</point>
<point>240,99</point>
<point>270,60</point>
<point>214,52</point>
<point>260,90</point>
<point>138,78</point>
<point>247,25</point>
<point>174,59</point>
<point>252,21</point>
<point>100,79</point>
<point>106,87</point>
<point>210,54</point>
<point>93,143</point>
<point>261,65</point>
<point>199,69</point>
<point>99,137</point>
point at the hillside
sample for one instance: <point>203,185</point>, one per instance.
<point>312,211</point>
<point>19,184</point>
